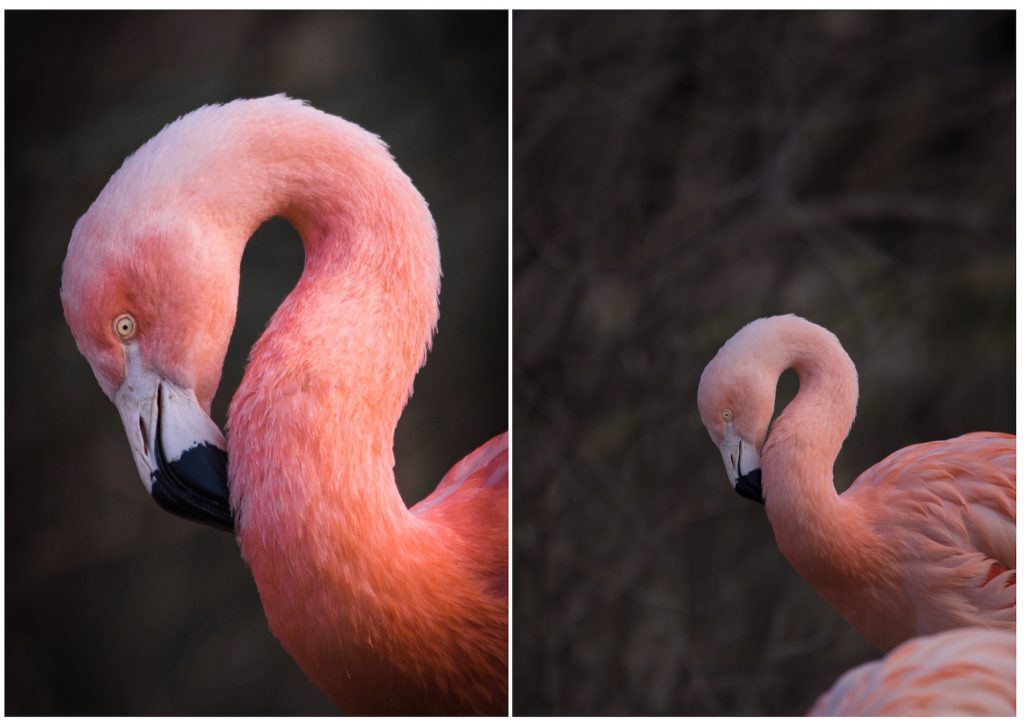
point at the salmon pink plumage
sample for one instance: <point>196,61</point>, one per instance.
<point>962,672</point>
<point>387,609</point>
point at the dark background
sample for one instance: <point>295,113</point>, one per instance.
<point>677,175</point>
<point>112,606</point>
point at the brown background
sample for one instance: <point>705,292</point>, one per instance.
<point>112,606</point>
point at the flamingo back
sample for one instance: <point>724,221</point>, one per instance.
<point>960,672</point>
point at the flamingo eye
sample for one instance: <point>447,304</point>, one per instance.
<point>727,415</point>
<point>124,326</point>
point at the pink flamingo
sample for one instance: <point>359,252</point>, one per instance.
<point>387,609</point>
<point>922,542</point>
<point>959,672</point>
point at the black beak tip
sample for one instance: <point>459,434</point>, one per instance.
<point>749,486</point>
<point>195,486</point>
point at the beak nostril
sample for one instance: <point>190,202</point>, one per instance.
<point>145,436</point>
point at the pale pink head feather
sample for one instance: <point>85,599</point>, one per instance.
<point>164,239</point>
<point>744,374</point>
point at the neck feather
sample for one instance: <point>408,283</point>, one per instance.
<point>311,426</point>
<point>809,518</point>
<point>334,369</point>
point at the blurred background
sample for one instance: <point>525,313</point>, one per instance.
<point>677,175</point>
<point>114,607</point>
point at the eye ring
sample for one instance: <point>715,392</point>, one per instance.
<point>727,415</point>
<point>124,326</point>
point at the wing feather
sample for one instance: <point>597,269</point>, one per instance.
<point>472,502</point>
<point>950,509</point>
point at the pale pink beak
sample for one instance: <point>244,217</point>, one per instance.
<point>742,465</point>
<point>179,452</point>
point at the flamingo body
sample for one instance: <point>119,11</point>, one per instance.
<point>922,542</point>
<point>948,538</point>
<point>389,610</point>
<point>962,672</point>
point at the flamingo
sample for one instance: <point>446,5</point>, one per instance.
<point>387,609</point>
<point>959,672</point>
<point>922,542</point>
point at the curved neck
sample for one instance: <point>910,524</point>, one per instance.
<point>807,514</point>
<point>356,587</point>
<point>311,426</point>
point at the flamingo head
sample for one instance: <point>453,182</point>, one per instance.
<point>151,303</point>
<point>736,398</point>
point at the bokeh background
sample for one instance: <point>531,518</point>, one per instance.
<point>112,606</point>
<point>677,175</point>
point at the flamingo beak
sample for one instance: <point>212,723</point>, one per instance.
<point>179,452</point>
<point>742,465</point>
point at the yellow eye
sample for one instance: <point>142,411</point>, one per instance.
<point>124,326</point>
<point>727,415</point>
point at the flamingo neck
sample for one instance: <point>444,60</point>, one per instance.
<point>812,523</point>
<point>321,523</point>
